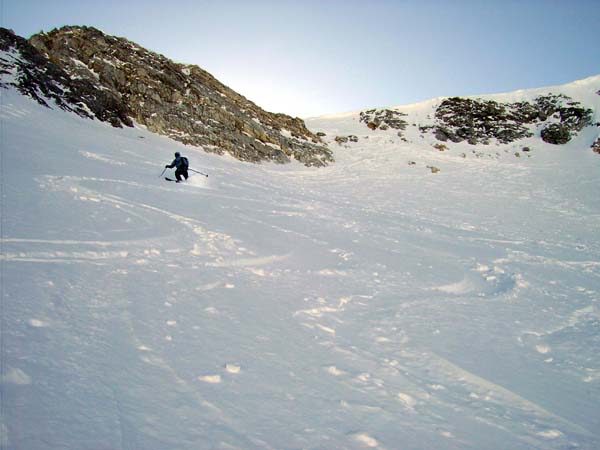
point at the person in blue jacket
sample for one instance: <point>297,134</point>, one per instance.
<point>181,165</point>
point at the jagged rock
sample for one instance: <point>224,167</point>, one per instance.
<point>574,117</point>
<point>556,133</point>
<point>460,119</point>
<point>181,101</point>
<point>383,119</point>
<point>25,68</point>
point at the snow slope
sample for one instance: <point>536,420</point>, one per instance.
<point>369,304</point>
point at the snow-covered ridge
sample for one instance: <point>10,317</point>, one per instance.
<point>583,90</point>
<point>492,124</point>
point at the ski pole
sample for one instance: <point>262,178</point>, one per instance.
<point>161,174</point>
<point>201,173</point>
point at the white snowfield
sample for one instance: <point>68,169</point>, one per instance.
<point>369,304</point>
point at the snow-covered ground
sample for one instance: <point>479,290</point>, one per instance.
<point>369,304</point>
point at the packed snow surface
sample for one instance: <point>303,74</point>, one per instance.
<point>369,304</point>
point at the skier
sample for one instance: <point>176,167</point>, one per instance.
<point>181,164</point>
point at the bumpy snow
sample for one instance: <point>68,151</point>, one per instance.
<point>369,304</point>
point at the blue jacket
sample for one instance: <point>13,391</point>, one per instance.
<point>179,163</point>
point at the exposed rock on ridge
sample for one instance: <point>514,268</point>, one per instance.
<point>383,119</point>
<point>181,101</point>
<point>478,121</point>
<point>23,67</point>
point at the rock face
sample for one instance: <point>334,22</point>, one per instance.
<point>478,121</point>
<point>23,67</point>
<point>180,101</point>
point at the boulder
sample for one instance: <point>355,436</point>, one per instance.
<point>556,134</point>
<point>596,145</point>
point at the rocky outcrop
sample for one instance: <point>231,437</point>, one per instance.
<point>596,145</point>
<point>383,119</point>
<point>571,115</point>
<point>479,121</point>
<point>22,66</point>
<point>556,133</point>
<point>181,101</point>
<point>474,121</point>
<point>345,139</point>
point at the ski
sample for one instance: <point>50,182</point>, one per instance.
<point>171,179</point>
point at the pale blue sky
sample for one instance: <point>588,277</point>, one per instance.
<point>308,58</point>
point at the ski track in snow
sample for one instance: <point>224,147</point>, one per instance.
<point>369,304</point>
